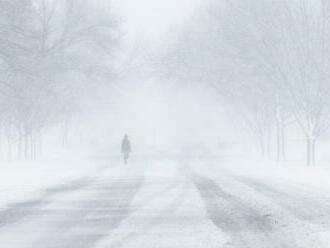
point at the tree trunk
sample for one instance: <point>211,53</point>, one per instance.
<point>32,153</point>
<point>280,134</point>
<point>26,146</point>
<point>20,143</point>
<point>262,145</point>
<point>283,143</point>
<point>268,138</point>
<point>39,145</point>
<point>9,149</point>
<point>280,143</point>
<point>65,133</point>
<point>310,142</point>
<point>34,147</point>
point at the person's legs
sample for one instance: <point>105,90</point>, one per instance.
<point>125,157</point>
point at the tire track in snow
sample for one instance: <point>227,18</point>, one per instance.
<point>95,218</point>
<point>15,212</point>
<point>175,218</point>
<point>159,218</point>
<point>246,226</point>
<point>18,211</point>
<point>308,208</point>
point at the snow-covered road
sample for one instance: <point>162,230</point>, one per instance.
<point>151,203</point>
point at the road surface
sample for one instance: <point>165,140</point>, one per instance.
<point>156,204</point>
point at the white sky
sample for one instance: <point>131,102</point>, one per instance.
<point>154,113</point>
<point>149,112</point>
<point>154,17</point>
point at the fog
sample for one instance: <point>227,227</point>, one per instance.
<point>164,123</point>
<point>81,75</point>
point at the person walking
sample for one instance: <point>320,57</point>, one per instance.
<point>125,148</point>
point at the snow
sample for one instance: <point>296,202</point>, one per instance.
<point>291,201</point>
<point>316,176</point>
<point>167,212</point>
<point>23,180</point>
<point>168,202</point>
<point>202,89</point>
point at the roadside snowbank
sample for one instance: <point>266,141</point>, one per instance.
<point>297,173</point>
<point>23,180</point>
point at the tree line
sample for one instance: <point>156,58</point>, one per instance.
<point>50,51</point>
<point>269,60</point>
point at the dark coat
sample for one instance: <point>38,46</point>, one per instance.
<point>125,146</point>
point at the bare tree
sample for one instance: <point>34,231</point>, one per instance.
<point>274,51</point>
<point>47,47</point>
